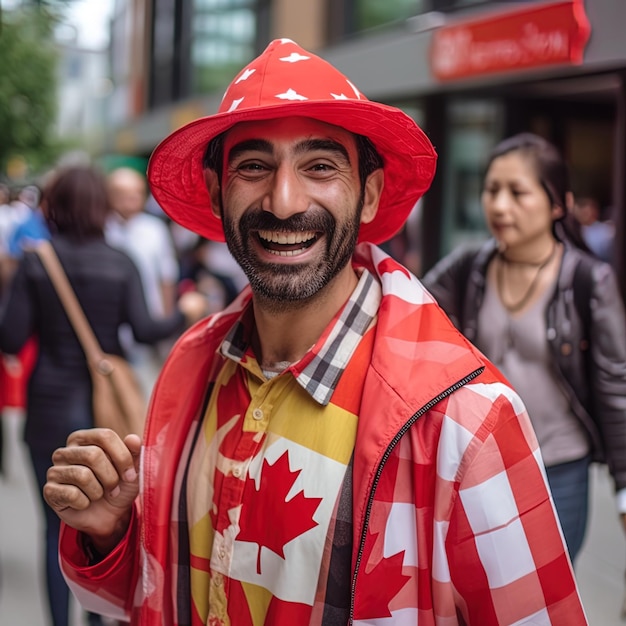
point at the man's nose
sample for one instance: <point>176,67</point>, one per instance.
<point>287,193</point>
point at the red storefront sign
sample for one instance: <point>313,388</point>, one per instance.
<point>547,34</point>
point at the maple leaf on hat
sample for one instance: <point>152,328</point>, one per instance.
<point>294,57</point>
<point>267,518</point>
<point>386,577</point>
<point>291,94</point>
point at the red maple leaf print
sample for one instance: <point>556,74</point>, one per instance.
<point>219,515</point>
<point>267,518</point>
<point>391,265</point>
<point>384,581</point>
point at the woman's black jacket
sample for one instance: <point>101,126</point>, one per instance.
<point>585,329</point>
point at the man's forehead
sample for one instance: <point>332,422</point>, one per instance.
<point>294,129</point>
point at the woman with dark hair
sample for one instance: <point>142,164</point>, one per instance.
<point>550,317</point>
<point>108,287</point>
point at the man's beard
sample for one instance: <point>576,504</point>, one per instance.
<point>292,285</point>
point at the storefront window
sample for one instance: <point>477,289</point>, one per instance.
<point>163,80</point>
<point>373,13</point>
<point>475,127</point>
<point>223,40</point>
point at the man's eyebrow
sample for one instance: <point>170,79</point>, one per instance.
<point>248,145</point>
<point>308,145</point>
<point>326,145</point>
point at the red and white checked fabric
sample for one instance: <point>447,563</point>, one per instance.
<point>453,521</point>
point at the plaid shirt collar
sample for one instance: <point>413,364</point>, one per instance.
<point>320,369</point>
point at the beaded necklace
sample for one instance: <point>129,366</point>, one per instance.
<point>520,304</point>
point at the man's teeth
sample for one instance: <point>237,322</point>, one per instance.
<point>287,252</point>
<point>286,238</point>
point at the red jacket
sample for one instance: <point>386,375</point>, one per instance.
<point>453,521</point>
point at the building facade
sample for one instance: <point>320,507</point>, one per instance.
<point>82,91</point>
<point>470,72</point>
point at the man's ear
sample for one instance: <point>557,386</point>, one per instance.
<point>213,186</point>
<point>371,198</point>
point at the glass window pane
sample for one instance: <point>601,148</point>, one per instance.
<point>223,40</point>
<point>475,126</point>
<point>372,13</point>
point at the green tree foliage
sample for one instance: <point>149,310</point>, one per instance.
<point>27,88</point>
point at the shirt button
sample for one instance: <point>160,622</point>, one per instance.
<point>222,553</point>
<point>257,414</point>
<point>217,580</point>
<point>236,471</point>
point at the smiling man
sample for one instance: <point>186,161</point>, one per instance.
<point>328,449</point>
<point>295,203</point>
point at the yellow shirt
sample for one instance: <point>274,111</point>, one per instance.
<point>265,480</point>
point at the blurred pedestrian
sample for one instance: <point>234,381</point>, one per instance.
<point>27,226</point>
<point>5,194</point>
<point>4,199</point>
<point>144,237</point>
<point>328,449</point>
<point>13,210</point>
<point>205,274</point>
<point>31,227</point>
<point>550,316</point>
<point>148,242</point>
<point>6,220</point>
<point>108,287</point>
<point>597,234</point>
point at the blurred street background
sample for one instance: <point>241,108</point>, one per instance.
<point>107,80</point>
<point>103,81</point>
<point>600,571</point>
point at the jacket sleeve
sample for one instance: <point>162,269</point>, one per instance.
<point>608,369</point>
<point>106,587</point>
<point>505,551</point>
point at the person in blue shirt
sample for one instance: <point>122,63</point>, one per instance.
<point>33,228</point>
<point>598,235</point>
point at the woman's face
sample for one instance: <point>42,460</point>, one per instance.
<point>516,206</point>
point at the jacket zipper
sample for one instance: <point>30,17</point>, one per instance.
<point>392,445</point>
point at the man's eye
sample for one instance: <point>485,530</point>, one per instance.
<point>321,167</point>
<point>251,167</point>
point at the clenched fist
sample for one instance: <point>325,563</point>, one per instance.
<point>93,484</point>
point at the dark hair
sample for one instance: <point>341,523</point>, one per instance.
<point>76,202</point>
<point>552,173</point>
<point>369,159</point>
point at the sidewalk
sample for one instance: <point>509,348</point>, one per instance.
<point>602,562</point>
<point>600,568</point>
<point>22,586</point>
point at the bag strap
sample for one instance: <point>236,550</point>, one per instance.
<point>70,302</point>
<point>583,288</point>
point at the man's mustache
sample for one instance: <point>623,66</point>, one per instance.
<point>257,219</point>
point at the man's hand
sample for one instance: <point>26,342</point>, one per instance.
<point>93,484</point>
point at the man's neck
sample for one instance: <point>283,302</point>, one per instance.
<point>287,335</point>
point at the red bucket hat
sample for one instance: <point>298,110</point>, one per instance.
<point>288,81</point>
